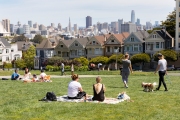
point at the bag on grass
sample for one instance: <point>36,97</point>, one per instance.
<point>51,96</point>
<point>5,79</point>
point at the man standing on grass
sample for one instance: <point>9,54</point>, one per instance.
<point>62,68</point>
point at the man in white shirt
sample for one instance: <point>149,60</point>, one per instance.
<point>162,68</point>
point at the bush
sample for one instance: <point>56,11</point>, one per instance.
<point>49,68</point>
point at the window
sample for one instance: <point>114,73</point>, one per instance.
<point>59,52</point>
<point>76,44</point>
<point>74,53</point>
<point>80,52</point>
<point>179,14</point>
<point>179,35</point>
<point>0,59</point>
<point>162,45</point>
<point>12,50</point>
<point>154,36</point>
<point>7,58</point>
<point>61,46</point>
<point>112,40</point>
<point>179,24</point>
<point>115,49</point>
<point>94,42</point>
<point>36,63</point>
<point>132,39</point>
<point>157,44</point>
<point>108,49</point>
<point>7,50</point>
<point>127,47</point>
<point>96,50</point>
<point>0,51</point>
<point>136,47</point>
<point>179,45</point>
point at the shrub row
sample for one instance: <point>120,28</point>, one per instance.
<point>66,68</point>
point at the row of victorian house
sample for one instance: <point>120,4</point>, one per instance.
<point>106,45</point>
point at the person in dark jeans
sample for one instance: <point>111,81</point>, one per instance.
<point>162,68</point>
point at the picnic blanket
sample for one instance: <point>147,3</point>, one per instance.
<point>64,98</point>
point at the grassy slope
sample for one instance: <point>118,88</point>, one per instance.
<point>20,101</point>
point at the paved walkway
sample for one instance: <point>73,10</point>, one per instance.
<point>68,76</point>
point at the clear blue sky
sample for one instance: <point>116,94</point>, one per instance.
<point>58,11</point>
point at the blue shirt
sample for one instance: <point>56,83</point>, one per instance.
<point>14,75</point>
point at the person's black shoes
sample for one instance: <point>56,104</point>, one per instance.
<point>157,89</point>
<point>165,90</point>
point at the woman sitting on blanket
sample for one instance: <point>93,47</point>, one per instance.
<point>75,90</point>
<point>99,90</point>
<point>27,75</point>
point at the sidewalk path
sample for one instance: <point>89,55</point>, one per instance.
<point>82,76</point>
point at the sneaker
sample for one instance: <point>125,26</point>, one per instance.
<point>157,89</point>
<point>165,90</point>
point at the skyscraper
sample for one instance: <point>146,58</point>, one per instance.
<point>30,23</point>
<point>59,26</point>
<point>133,16</point>
<point>138,22</point>
<point>75,28</point>
<point>88,21</point>
<point>70,30</point>
<point>120,21</point>
<point>6,24</point>
<point>52,25</point>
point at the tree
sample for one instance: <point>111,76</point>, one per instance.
<point>140,58</point>
<point>28,56</point>
<point>170,23</point>
<point>169,55</point>
<point>150,31</point>
<point>84,61</point>
<point>99,59</point>
<point>8,65</point>
<point>20,38</point>
<point>54,61</point>
<point>112,58</point>
<point>37,39</point>
<point>20,63</point>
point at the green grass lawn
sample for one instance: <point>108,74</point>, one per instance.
<point>19,101</point>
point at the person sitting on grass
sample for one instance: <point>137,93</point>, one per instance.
<point>42,75</point>
<point>98,90</point>
<point>35,78</point>
<point>15,75</point>
<point>75,90</point>
<point>27,75</point>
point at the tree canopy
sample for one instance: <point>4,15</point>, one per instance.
<point>29,55</point>
<point>37,39</point>
<point>113,57</point>
<point>169,55</point>
<point>84,61</point>
<point>99,59</point>
<point>139,58</point>
<point>20,38</point>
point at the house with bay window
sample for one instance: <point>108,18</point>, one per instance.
<point>158,40</point>
<point>8,52</point>
<point>135,42</point>
<point>95,46</point>
<point>114,44</point>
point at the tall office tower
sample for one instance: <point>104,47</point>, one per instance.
<point>19,23</point>
<point>59,26</point>
<point>177,34</point>
<point>75,28</point>
<point>35,25</point>
<point>138,22</point>
<point>133,16</point>
<point>42,27</point>
<point>156,23</point>
<point>30,23</point>
<point>128,27</point>
<point>12,28</point>
<point>52,25</point>
<point>120,21</point>
<point>88,21</point>
<point>70,30</point>
<point>149,26</point>
<point>6,24</point>
<point>114,27</point>
<point>26,29</point>
<point>99,26</point>
<point>105,25</point>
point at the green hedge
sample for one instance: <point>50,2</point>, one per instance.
<point>66,68</point>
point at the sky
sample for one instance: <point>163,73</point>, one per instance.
<point>58,11</point>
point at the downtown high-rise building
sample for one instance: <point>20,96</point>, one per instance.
<point>30,23</point>
<point>88,21</point>
<point>59,26</point>
<point>120,22</point>
<point>138,22</point>
<point>177,34</point>
<point>133,16</point>
<point>70,29</point>
<point>75,28</point>
<point>114,27</point>
<point>26,29</point>
<point>52,25</point>
<point>6,24</point>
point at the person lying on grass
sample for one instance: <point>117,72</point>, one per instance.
<point>75,90</point>
<point>98,90</point>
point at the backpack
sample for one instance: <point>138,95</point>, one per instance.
<point>51,96</point>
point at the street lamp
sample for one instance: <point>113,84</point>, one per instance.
<point>116,58</point>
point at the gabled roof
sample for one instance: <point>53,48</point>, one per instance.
<point>67,43</point>
<point>100,39</point>
<point>164,34</point>
<point>22,45</point>
<point>83,41</point>
<point>141,35</point>
<point>45,44</point>
<point>5,42</point>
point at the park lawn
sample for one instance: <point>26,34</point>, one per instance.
<point>19,101</point>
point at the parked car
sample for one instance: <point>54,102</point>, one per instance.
<point>170,67</point>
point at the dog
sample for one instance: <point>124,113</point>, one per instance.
<point>148,87</point>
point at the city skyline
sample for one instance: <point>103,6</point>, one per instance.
<point>58,12</point>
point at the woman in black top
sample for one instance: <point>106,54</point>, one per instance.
<point>98,90</point>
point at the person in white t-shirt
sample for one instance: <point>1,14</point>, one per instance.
<point>75,90</point>
<point>42,75</point>
<point>162,68</point>
<point>27,75</point>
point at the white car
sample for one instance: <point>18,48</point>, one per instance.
<point>170,67</point>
